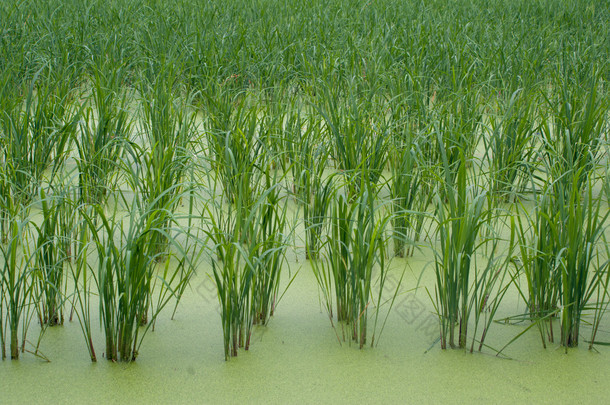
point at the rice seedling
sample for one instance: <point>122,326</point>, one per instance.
<point>120,306</point>
<point>568,226</point>
<point>307,157</point>
<point>540,264</point>
<point>509,148</point>
<point>407,183</point>
<point>168,128</point>
<point>250,244</point>
<point>561,260</point>
<point>104,128</point>
<point>267,247</point>
<point>125,270</point>
<point>459,297</point>
<point>354,252</point>
<point>359,142</point>
<point>37,137</point>
<point>573,133</point>
<point>233,281</point>
<point>583,225</point>
<point>49,263</point>
<point>82,276</point>
<point>456,131</point>
<point>16,284</point>
<point>236,150</point>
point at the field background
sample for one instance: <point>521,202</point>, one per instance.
<point>501,100</point>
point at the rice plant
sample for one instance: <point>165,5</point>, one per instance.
<point>558,261</point>
<point>352,271</point>
<point>409,201</point>
<point>540,264</point>
<point>125,271</point>
<point>572,133</point>
<point>510,149</point>
<point>233,280</point>
<point>104,128</point>
<point>359,140</point>
<point>83,278</point>
<point>267,246</point>
<point>459,295</point>
<point>235,148</point>
<point>17,290</point>
<point>50,260</point>
<point>583,225</point>
<point>37,137</point>
<point>250,244</point>
<point>561,261</point>
<point>308,158</point>
<point>168,128</point>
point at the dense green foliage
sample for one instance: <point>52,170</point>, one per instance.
<point>413,124</point>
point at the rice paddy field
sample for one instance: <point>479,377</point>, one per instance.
<point>304,201</point>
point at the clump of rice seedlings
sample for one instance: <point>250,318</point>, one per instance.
<point>17,290</point>
<point>573,133</point>
<point>250,244</point>
<point>359,140</point>
<point>582,228</point>
<point>457,130</point>
<point>509,148</point>
<point>104,129</point>
<point>567,228</point>
<point>460,298</point>
<point>37,137</point>
<point>315,211</point>
<point>540,263</point>
<point>408,200</point>
<point>234,145</point>
<point>168,128</point>
<point>308,157</point>
<point>561,260</point>
<point>267,247</point>
<point>124,274</point>
<point>233,280</point>
<point>82,274</point>
<point>354,263</point>
<point>49,262</point>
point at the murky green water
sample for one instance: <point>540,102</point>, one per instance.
<point>297,359</point>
